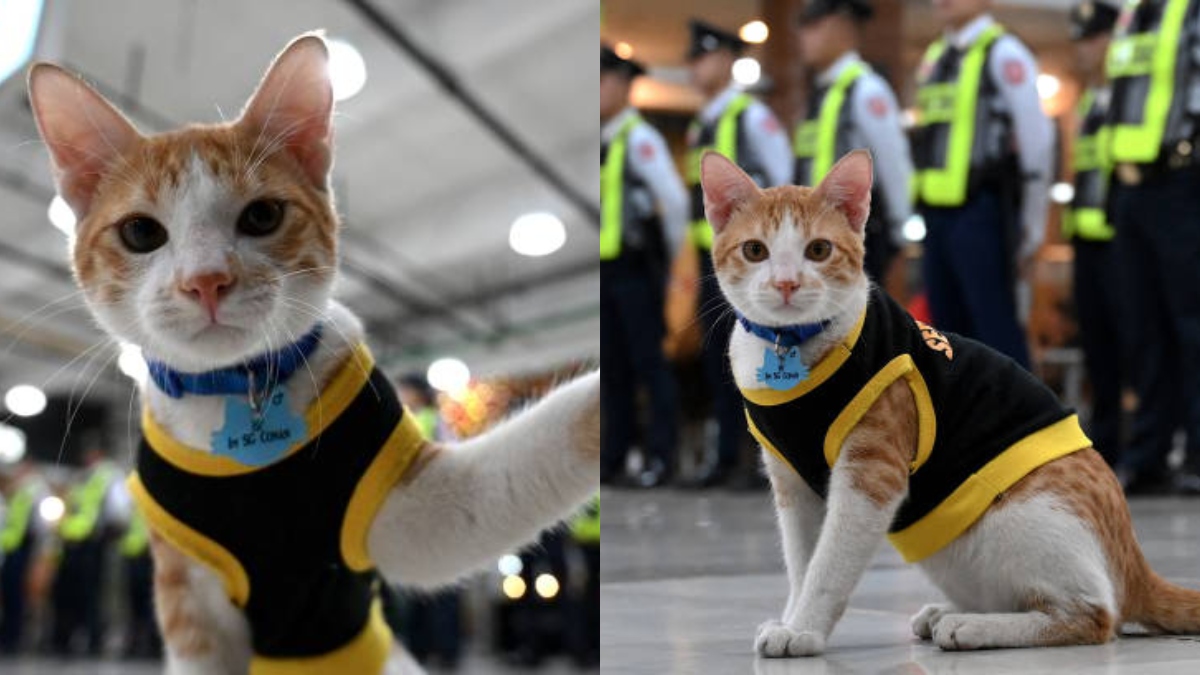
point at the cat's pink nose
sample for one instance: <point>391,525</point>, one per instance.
<point>786,287</point>
<point>208,289</point>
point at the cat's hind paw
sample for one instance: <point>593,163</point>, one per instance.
<point>929,616</point>
<point>776,639</point>
<point>960,632</point>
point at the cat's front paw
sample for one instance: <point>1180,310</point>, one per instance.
<point>959,632</point>
<point>776,639</point>
<point>927,618</point>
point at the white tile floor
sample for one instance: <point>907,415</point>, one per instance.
<point>688,576</point>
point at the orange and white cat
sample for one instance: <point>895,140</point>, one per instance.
<point>1051,558</point>
<point>213,243</point>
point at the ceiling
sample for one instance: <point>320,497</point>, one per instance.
<point>426,191</point>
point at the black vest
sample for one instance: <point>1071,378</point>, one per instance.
<point>290,536</point>
<point>977,408</point>
<point>642,237</point>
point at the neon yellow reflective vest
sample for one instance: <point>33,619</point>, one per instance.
<point>722,138</point>
<point>585,527</point>
<point>1085,218</point>
<point>85,503</point>
<point>16,521</point>
<point>427,421</point>
<point>946,115</point>
<point>1141,66</point>
<point>137,537</point>
<point>612,189</point>
<point>815,141</point>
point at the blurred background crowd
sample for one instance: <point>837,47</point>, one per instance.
<point>1035,189</point>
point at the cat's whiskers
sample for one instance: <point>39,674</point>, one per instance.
<point>323,316</point>
<point>72,413</point>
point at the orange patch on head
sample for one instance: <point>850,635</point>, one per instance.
<point>762,217</point>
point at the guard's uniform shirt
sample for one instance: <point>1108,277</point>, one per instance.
<point>289,539</point>
<point>983,421</point>
<point>980,123</point>
<point>853,107</point>
<point>743,129</point>
<point>643,201</point>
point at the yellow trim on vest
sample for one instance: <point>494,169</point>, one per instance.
<point>762,440</point>
<point>821,372</point>
<point>192,543</point>
<point>901,366</point>
<point>366,653</point>
<point>333,401</point>
<point>381,476</point>
<point>966,504</point>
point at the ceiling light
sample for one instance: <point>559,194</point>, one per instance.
<point>25,400</point>
<point>546,585</point>
<point>1062,193</point>
<point>19,21</point>
<point>132,363</point>
<point>51,509</point>
<point>623,50</point>
<point>347,70</point>
<point>449,375</point>
<point>754,32</point>
<point>12,444</point>
<point>537,234</point>
<point>1047,85</point>
<point>510,565</point>
<point>746,71</point>
<point>61,216</point>
<point>914,228</point>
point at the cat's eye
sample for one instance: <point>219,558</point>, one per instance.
<point>818,250</point>
<point>755,251</point>
<point>142,234</point>
<point>261,217</point>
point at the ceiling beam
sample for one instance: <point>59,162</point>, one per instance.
<point>449,82</point>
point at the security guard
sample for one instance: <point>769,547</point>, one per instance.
<point>84,534</point>
<point>982,147</point>
<point>583,634</point>
<point>1086,226</point>
<point>23,540</point>
<point>141,635</point>
<point>853,107</point>
<point>644,216</point>
<point>738,126</point>
<point>1155,74</point>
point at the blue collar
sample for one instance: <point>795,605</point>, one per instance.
<point>783,336</point>
<point>263,372</point>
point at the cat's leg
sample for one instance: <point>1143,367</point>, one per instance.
<point>927,618</point>
<point>1035,570</point>
<point>463,506</point>
<point>866,486</point>
<point>800,512</point>
<point>203,633</point>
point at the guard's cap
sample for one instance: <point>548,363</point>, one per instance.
<point>859,10</point>
<point>609,60</point>
<point>709,38</point>
<point>1092,18</point>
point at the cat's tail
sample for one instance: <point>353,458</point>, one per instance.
<point>1165,607</point>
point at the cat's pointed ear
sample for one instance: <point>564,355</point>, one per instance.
<point>293,106</point>
<point>726,187</point>
<point>83,132</point>
<point>847,187</point>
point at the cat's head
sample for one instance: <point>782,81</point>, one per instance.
<point>207,244</point>
<point>789,255</point>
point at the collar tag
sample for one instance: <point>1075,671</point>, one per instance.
<point>258,437</point>
<point>782,369</point>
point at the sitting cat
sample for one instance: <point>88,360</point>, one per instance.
<point>875,425</point>
<point>279,473</point>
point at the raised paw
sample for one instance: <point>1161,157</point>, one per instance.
<point>776,639</point>
<point>927,618</point>
<point>959,632</point>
